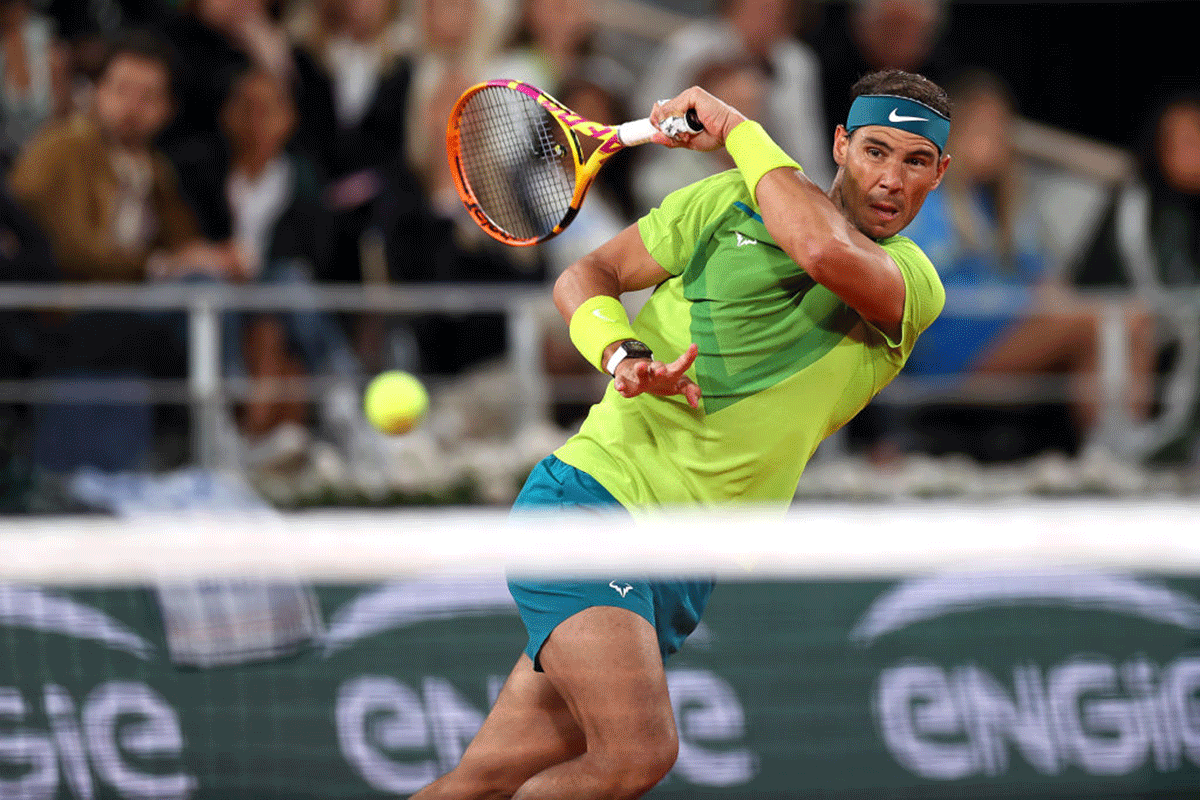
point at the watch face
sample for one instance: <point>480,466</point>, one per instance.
<point>635,349</point>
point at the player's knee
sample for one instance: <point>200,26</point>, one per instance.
<point>637,770</point>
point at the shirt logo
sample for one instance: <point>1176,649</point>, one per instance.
<point>742,241</point>
<point>621,590</point>
<point>894,117</point>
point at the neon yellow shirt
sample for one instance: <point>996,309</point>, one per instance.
<point>783,361</point>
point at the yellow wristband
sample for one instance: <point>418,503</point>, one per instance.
<point>755,153</point>
<point>596,324</point>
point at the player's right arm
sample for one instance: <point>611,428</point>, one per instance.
<point>623,264</point>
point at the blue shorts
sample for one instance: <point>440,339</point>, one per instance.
<point>672,607</point>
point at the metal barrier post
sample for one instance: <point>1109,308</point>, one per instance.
<point>525,354</point>
<point>204,379</point>
<point>1114,373</point>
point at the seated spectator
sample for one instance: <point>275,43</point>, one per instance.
<point>109,204</point>
<point>451,45</point>
<point>280,226</point>
<point>106,197</point>
<point>981,230</point>
<point>427,234</point>
<point>219,40</point>
<point>359,46</point>
<point>1150,241</point>
<point>33,69</point>
<point>594,92</point>
<point>552,39</point>
<point>762,30</point>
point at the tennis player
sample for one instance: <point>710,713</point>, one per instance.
<point>779,311</point>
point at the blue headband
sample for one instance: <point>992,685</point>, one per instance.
<point>899,112</point>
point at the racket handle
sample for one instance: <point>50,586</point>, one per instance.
<point>641,131</point>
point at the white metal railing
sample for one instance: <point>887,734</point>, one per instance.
<point>203,305</point>
<point>205,390</point>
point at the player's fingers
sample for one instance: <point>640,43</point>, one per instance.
<point>691,390</point>
<point>681,364</point>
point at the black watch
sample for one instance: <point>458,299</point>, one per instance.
<point>630,348</point>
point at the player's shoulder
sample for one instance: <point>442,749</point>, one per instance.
<point>671,231</point>
<point>920,275</point>
<point>708,196</point>
<point>904,249</point>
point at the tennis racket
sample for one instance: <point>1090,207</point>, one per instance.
<point>518,162</point>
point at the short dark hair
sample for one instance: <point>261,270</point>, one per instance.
<point>903,84</point>
<point>140,43</point>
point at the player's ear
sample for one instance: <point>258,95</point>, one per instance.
<point>841,145</point>
<point>943,163</point>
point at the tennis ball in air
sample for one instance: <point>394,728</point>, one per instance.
<point>395,402</point>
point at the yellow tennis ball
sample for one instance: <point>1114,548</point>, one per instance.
<point>395,402</point>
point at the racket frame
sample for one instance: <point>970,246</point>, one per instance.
<point>612,139</point>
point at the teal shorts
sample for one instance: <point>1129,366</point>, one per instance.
<point>673,607</point>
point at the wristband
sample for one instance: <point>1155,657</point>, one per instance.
<point>596,324</point>
<point>755,153</point>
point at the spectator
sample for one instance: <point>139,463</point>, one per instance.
<point>33,67</point>
<point>763,30</point>
<point>553,38</point>
<point>1150,241</point>
<point>451,46</point>
<point>983,232</point>
<point>279,223</point>
<point>109,204</point>
<point>594,92</point>
<point>107,199</point>
<point>358,43</point>
<point>218,40</point>
<point>880,34</point>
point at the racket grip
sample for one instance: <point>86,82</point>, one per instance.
<point>641,131</point>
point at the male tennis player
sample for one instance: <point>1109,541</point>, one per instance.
<point>779,312</point>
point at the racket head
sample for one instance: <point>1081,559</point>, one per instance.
<point>517,162</point>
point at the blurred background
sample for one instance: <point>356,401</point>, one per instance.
<point>222,217</point>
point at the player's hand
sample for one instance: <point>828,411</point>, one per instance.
<point>644,376</point>
<point>717,116</point>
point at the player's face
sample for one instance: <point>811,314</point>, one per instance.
<point>885,174</point>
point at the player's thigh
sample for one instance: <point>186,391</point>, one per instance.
<point>606,663</point>
<point>529,728</point>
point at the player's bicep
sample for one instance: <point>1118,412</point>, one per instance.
<point>870,282</point>
<point>635,267</point>
<point>622,264</point>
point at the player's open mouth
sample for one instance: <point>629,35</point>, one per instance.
<point>885,210</point>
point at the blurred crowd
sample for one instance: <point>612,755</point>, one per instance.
<point>297,143</point>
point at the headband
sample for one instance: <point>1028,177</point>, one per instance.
<point>899,112</point>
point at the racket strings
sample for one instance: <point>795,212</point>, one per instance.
<point>517,161</point>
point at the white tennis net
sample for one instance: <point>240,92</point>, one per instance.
<point>1011,648</point>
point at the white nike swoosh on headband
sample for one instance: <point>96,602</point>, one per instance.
<point>894,117</point>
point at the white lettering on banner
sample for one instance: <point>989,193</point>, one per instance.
<point>379,719</point>
<point>399,739</point>
<point>1102,717</point>
<point>122,724</point>
<point>454,721</point>
<point>26,752</point>
<point>707,712</point>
